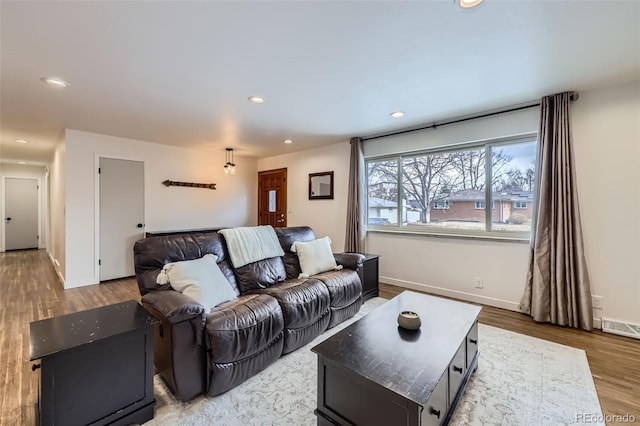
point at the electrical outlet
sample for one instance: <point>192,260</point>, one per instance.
<point>479,282</point>
<point>596,302</point>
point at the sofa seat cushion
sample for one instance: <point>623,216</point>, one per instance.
<point>303,301</point>
<point>243,327</point>
<point>223,377</point>
<point>344,286</point>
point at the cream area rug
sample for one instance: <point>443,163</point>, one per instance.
<point>520,380</point>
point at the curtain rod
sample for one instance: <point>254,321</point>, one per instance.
<point>444,123</point>
<point>574,97</point>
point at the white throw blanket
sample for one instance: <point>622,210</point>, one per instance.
<point>250,244</point>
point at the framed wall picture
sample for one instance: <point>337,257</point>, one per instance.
<point>321,186</point>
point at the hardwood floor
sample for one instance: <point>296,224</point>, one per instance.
<point>31,291</point>
<point>614,360</point>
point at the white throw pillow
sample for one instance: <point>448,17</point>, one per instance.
<point>315,256</point>
<point>200,279</point>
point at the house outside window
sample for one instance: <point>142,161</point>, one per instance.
<point>440,205</point>
<point>445,190</point>
<point>480,205</point>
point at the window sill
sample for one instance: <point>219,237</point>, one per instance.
<point>488,237</point>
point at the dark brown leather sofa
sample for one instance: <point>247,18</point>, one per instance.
<point>275,312</point>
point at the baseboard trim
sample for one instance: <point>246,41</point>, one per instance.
<point>469,297</point>
<point>69,284</point>
<point>55,268</point>
<point>79,283</point>
<point>597,323</point>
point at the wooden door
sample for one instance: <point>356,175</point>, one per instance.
<point>272,197</point>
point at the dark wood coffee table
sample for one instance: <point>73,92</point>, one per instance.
<point>375,373</point>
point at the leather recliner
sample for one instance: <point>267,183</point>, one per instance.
<point>275,312</point>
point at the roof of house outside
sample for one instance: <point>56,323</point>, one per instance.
<point>477,195</point>
<point>380,202</point>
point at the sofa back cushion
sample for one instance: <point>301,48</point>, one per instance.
<point>199,279</point>
<point>315,256</point>
<point>216,245</point>
<point>260,274</point>
<point>152,253</point>
<point>288,236</point>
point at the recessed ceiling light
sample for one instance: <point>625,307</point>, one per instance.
<point>22,162</point>
<point>22,141</point>
<point>469,3</point>
<point>397,114</point>
<point>55,81</point>
<point>288,141</point>
<point>256,99</point>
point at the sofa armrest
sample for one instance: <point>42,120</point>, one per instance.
<point>349,260</point>
<point>175,306</point>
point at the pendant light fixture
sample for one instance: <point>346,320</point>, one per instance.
<point>467,4</point>
<point>230,166</point>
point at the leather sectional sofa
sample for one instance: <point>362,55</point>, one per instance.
<point>274,313</point>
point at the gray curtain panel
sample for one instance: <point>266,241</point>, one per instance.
<point>356,204</point>
<point>557,288</point>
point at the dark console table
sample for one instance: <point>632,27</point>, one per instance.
<point>369,275</point>
<point>96,366</point>
<point>375,373</point>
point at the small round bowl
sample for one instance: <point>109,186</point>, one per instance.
<point>409,320</point>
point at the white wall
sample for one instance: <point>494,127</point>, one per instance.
<point>503,125</point>
<point>233,203</point>
<point>606,130</point>
<point>449,266</point>
<point>8,170</point>
<point>326,217</point>
<point>57,224</point>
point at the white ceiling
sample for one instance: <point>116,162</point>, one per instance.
<point>180,73</point>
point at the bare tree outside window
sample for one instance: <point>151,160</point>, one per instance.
<point>513,190</point>
<point>426,179</point>
<point>443,189</point>
<point>382,179</point>
<point>469,165</point>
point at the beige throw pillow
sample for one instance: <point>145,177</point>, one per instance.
<point>315,256</point>
<point>200,279</point>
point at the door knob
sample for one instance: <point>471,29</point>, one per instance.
<point>8,219</point>
<point>140,225</point>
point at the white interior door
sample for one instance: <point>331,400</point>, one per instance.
<point>121,215</point>
<point>21,213</point>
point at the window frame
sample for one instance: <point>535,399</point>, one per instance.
<point>520,207</point>
<point>445,207</point>
<point>488,233</point>
<point>484,203</point>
